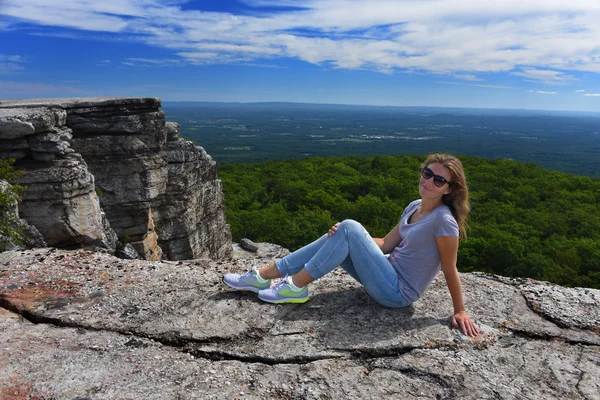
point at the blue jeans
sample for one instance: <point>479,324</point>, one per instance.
<point>354,250</point>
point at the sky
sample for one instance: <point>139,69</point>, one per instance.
<point>516,54</point>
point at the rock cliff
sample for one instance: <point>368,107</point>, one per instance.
<point>82,325</point>
<point>103,169</point>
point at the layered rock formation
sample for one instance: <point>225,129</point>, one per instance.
<point>106,168</point>
<point>77,324</point>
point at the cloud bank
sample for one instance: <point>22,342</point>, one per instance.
<point>542,41</point>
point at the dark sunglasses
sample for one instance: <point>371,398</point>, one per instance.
<point>438,180</point>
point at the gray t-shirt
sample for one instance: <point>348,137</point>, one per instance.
<point>417,259</point>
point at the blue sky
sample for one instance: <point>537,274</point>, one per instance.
<point>533,54</point>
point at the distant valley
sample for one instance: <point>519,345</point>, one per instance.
<point>254,132</point>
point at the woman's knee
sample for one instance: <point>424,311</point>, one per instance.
<point>350,225</point>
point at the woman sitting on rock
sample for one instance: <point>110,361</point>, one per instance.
<point>425,240</point>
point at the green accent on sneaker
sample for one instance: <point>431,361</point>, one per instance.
<point>283,293</point>
<point>292,300</point>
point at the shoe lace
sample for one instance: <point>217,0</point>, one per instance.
<point>284,281</point>
<point>247,274</point>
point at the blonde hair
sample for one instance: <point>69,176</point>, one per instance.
<point>458,198</point>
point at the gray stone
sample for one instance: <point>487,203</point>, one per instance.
<point>16,154</point>
<point>128,252</point>
<point>11,128</point>
<point>172,129</point>
<point>32,236</point>
<point>95,325</point>
<point>56,141</point>
<point>265,251</point>
<point>20,122</point>
<point>83,103</point>
<point>43,156</point>
<point>14,144</point>
<point>115,150</point>
<point>249,245</point>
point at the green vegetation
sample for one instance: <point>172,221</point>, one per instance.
<point>525,221</point>
<point>126,238</point>
<point>10,231</point>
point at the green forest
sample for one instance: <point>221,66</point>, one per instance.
<point>525,221</point>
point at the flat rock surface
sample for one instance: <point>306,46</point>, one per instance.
<point>76,102</point>
<point>79,324</point>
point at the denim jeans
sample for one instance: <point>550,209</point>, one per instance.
<point>352,248</point>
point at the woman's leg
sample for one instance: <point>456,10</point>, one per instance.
<point>255,281</point>
<point>294,262</point>
<point>368,263</point>
<point>348,266</point>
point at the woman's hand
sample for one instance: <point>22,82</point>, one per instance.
<point>462,320</point>
<point>332,230</point>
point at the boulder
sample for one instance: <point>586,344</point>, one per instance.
<point>248,245</point>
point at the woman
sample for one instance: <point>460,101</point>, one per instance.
<point>425,240</point>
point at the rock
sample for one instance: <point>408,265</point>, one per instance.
<point>56,141</point>
<point>32,237</point>
<point>128,252</point>
<point>61,202</point>
<point>249,245</point>
<point>265,251</point>
<point>172,131</point>
<point>140,329</point>
<point>17,122</point>
<point>102,168</point>
<point>191,210</point>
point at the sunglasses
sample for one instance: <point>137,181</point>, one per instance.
<point>438,180</point>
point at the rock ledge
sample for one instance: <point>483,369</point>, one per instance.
<point>78,324</point>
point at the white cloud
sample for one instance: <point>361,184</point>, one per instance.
<point>592,94</point>
<point>10,63</point>
<point>466,77</point>
<point>478,85</point>
<point>150,61</point>
<point>544,76</point>
<point>580,91</point>
<point>543,41</point>
<point>544,92</point>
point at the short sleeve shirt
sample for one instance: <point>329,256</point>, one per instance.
<point>417,258</point>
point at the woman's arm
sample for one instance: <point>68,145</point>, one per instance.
<point>448,248</point>
<point>390,241</point>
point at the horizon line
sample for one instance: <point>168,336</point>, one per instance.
<point>381,106</point>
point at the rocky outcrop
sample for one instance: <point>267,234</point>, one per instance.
<point>78,324</point>
<point>59,198</point>
<point>106,168</point>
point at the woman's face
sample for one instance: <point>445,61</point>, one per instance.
<point>427,187</point>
